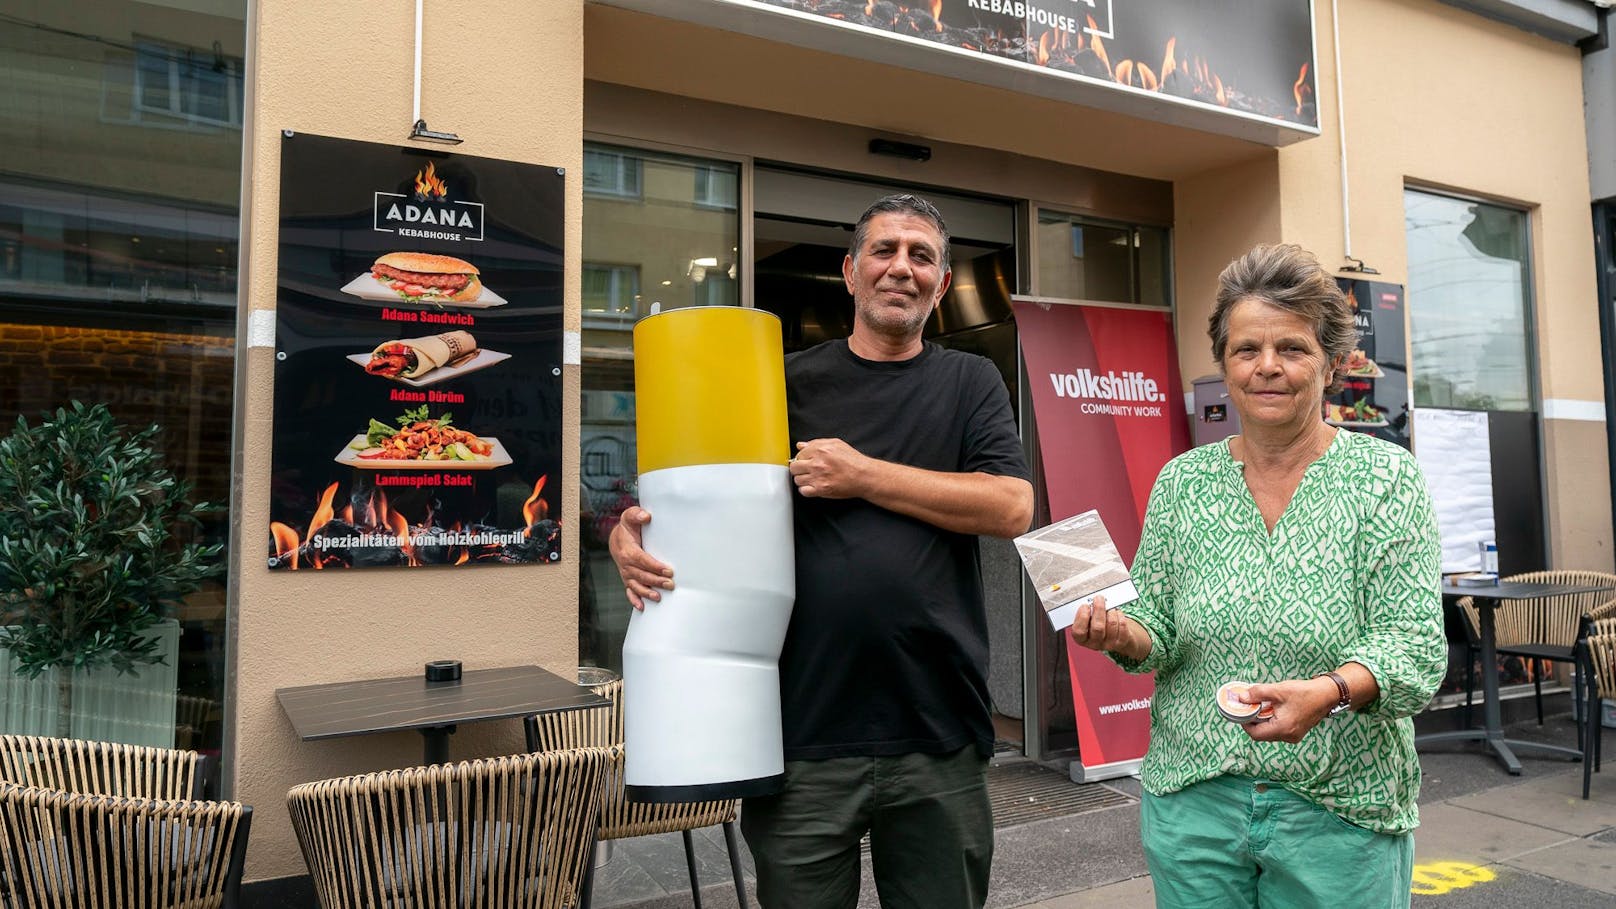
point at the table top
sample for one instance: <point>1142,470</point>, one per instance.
<point>411,702</point>
<point>1522,590</point>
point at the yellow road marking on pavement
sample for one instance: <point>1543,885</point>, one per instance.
<point>1440,877</point>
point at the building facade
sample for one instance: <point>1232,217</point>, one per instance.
<point>715,152</point>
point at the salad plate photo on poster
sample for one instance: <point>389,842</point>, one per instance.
<point>421,429</point>
<point>360,453</point>
<point>1359,415</point>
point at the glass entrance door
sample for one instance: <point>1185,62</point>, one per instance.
<point>801,229</point>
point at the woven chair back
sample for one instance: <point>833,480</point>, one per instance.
<point>1602,654</point>
<point>497,833</point>
<point>69,849</point>
<point>1551,621</point>
<point>99,768</point>
<point>620,818</point>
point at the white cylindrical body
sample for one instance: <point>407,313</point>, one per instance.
<point>701,678</point>
<point>701,686</point>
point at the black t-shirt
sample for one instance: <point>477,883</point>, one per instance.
<point>888,646</point>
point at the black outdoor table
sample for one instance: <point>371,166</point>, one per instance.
<point>1487,598</point>
<point>432,708</point>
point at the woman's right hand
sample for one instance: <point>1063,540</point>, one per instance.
<point>1106,630</point>
<point>643,576</point>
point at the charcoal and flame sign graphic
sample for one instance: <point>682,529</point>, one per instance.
<point>1437,878</point>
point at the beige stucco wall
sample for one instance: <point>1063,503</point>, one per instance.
<point>509,79</point>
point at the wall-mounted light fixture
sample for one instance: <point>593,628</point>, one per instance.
<point>908,150</point>
<point>419,131</point>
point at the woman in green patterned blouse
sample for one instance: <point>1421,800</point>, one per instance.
<point>1303,559</point>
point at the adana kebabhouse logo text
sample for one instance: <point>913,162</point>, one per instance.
<point>428,212</point>
<point>1125,394</point>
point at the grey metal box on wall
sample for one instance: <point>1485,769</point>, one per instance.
<point>1213,417</point>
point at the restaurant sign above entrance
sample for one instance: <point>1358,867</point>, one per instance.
<point>1225,66</point>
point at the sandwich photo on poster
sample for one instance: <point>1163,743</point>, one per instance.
<point>423,278</point>
<point>417,408</point>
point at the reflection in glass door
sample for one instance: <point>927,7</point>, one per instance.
<point>660,231</point>
<point>801,232</point>
<point>118,250</point>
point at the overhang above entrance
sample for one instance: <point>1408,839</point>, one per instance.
<point>1228,72</point>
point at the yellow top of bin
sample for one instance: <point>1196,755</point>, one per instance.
<point>710,388</point>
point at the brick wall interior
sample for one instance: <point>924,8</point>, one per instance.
<point>180,381</point>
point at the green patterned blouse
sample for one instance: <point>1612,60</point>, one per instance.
<point>1350,573</point>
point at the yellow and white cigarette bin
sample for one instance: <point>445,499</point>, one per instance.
<point>701,683</point>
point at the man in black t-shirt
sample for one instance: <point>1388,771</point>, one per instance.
<point>905,452</point>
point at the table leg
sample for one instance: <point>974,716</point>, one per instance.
<point>1492,728</point>
<point>1492,711</point>
<point>436,739</point>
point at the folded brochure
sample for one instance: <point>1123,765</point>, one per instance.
<point>1072,561</point>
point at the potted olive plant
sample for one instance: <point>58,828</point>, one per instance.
<point>94,550</point>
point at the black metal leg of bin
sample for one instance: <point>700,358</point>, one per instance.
<point>436,740</point>
<point>735,864</point>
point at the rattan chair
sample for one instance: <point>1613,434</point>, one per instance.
<point>1600,647</point>
<point>1546,628</point>
<point>69,849</point>
<point>100,768</point>
<point>619,817</point>
<point>496,833</point>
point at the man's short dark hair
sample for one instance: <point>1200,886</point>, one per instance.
<point>900,204</point>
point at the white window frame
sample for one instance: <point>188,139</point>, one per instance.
<point>704,195</point>
<point>182,104</point>
<point>620,188</point>
<point>617,276</point>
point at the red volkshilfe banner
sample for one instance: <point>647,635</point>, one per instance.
<point>1110,408</point>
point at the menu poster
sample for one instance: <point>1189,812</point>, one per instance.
<point>418,333</point>
<point>1374,381</point>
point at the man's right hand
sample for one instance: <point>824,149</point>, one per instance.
<point>643,576</point>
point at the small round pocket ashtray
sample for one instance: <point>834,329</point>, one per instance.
<point>1236,711</point>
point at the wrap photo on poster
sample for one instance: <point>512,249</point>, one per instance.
<point>1253,60</point>
<point>418,346</point>
<point>1109,403</point>
<point>1374,391</point>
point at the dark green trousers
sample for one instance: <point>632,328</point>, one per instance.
<point>930,826</point>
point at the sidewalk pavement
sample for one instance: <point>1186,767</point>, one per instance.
<point>1486,839</point>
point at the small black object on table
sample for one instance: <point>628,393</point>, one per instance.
<point>1487,598</point>
<point>433,708</point>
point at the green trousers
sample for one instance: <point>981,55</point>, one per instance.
<point>1234,842</point>
<point>930,826</point>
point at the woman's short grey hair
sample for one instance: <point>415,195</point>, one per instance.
<point>899,204</point>
<point>1290,278</point>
